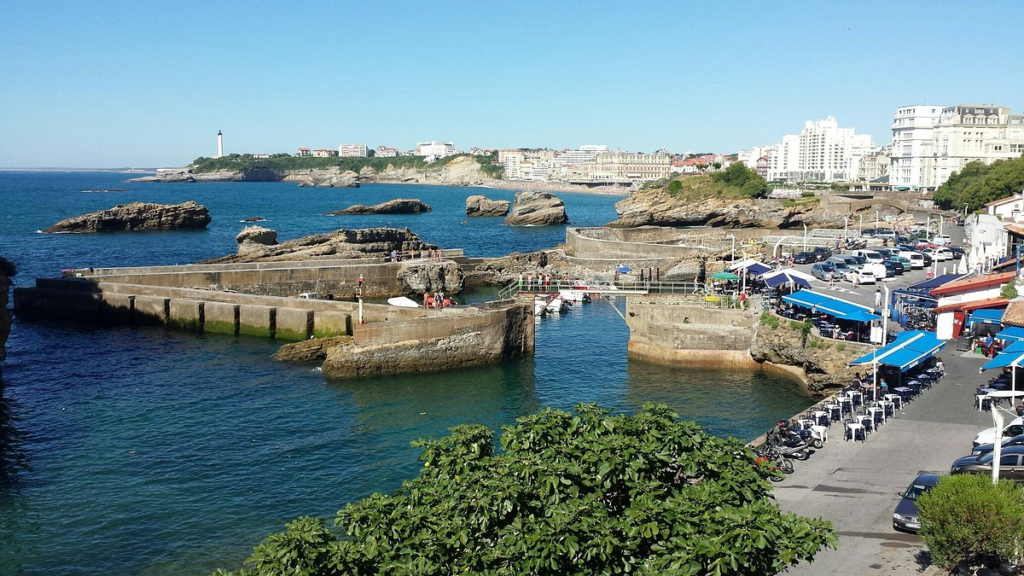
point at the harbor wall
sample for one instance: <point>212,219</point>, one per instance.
<point>677,329</point>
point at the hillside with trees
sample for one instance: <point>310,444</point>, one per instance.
<point>567,493</point>
<point>979,183</point>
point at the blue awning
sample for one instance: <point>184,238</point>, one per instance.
<point>1011,333</point>
<point>840,309</point>
<point>1005,359</point>
<point>928,285</point>
<point>986,316</point>
<point>757,269</point>
<point>908,350</point>
<point>785,278</point>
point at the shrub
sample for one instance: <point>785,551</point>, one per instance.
<point>7,268</point>
<point>966,517</point>
<point>770,320</point>
<point>1008,291</point>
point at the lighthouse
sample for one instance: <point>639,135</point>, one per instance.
<point>220,144</point>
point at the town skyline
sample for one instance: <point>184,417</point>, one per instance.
<point>99,86</point>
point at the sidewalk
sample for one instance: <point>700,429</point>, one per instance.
<point>854,484</point>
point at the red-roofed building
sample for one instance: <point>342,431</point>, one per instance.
<point>958,297</point>
<point>304,152</point>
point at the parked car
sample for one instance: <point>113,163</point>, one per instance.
<point>904,517</point>
<point>941,239</point>
<point>986,448</point>
<point>868,232</point>
<point>1010,465</point>
<point>885,252</point>
<point>869,255</point>
<point>938,254</point>
<point>957,251</point>
<point>885,234</point>
<point>916,259</point>
<point>987,436</point>
<point>821,253</point>
<point>927,258</point>
<point>895,268</point>
<point>822,271</point>
<point>858,276</point>
<point>803,258</point>
<point>876,269</point>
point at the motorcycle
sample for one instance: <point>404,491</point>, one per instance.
<point>790,445</point>
<point>769,454</point>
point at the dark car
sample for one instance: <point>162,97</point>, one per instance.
<point>1010,465</point>
<point>821,253</point>
<point>898,266</point>
<point>868,233</point>
<point>803,258</point>
<point>927,257</point>
<point>986,448</point>
<point>890,268</point>
<point>904,517</point>
<point>957,251</point>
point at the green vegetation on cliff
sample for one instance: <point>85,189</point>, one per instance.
<point>736,181</point>
<point>281,163</point>
<point>979,183</point>
<point>568,493</point>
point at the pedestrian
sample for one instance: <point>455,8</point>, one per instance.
<point>831,279</point>
<point>878,297</point>
<point>743,300</point>
<point>883,387</point>
<point>520,281</point>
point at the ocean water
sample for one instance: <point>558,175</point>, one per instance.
<point>147,451</point>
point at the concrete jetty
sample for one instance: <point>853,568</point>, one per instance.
<point>854,484</point>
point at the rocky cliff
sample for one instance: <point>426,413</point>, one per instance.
<point>461,171</point>
<point>824,362</point>
<point>138,216</point>
<point>534,208</point>
<point>358,243</point>
<point>396,206</point>
<point>659,207</point>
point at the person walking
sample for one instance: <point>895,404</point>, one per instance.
<point>878,297</point>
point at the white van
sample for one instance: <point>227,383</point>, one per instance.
<point>916,259</point>
<point>869,255</point>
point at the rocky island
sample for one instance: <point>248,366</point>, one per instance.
<point>534,208</point>
<point>396,206</point>
<point>138,216</point>
<point>478,205</point>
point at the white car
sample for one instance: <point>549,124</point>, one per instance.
<point>941,240</point>
<point>940,254</point>
<point>916,259</point>
<point>988,435</point>
<point>858,276</point>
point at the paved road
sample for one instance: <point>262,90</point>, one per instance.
<point>855,484</point>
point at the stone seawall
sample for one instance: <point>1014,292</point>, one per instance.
<point>677,329</point>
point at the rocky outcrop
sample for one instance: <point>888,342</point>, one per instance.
<point>357,243</point>
<point>323,178</point>
<point>312,350</point>
<point>825,362</point>
<point>658,207</point>
<point>478,205</point>
<point>7,270</point>
<point>534,208</point>
<point>254,238</point>
<point>396,206</point>
<point>138,216</point>
<point>418,278</point>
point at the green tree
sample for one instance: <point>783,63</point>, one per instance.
<point>979,183</point>
<point>748,181</point>
<point>568,493</point>
<point>966,516</point>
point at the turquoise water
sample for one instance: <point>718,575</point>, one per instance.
<point>144,451</point>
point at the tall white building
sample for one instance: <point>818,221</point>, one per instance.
<point>435,149</point>
<point>822,152</point>
<point>353,151</point>
<point>912,144</point>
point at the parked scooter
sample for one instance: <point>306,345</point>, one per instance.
<point>790,444</point>
<point>805,428</point>
<point>770,454</point>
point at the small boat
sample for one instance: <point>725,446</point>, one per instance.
<point>557,305</point>
<point>403,302</point>
<point>254,219</point>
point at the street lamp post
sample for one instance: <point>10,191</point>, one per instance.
<point>876,218</point>
<point>846,227</point>
<point>733,237</point>
<point>860,227</point>
<point>805,237</point>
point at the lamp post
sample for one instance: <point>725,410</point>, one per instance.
<point>732,259</point>
<point>805,237</point>
<point>965,210</point>
<point>876,218</point>
<point>860,227</point>
<point>846,227</point>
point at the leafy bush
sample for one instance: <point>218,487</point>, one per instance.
<point>749,182</point>
<point>1008,291</point>
<point>979,183</point>
<point>7,268</point>
<point>569,493</point>
<point>966,517</point>
<point>770,320</point>
<point>674,187</point>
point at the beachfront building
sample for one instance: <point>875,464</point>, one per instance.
<point>303,152</point>
<point>385,152</point>
<point>436,149</point>
<point>353,151</point>
<point>324,152</point>
<point>822,152</point>
<point>932,142</point>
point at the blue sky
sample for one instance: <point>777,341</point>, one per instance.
<point>107,84</point>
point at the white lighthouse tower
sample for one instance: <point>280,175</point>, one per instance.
<point>220,144</point>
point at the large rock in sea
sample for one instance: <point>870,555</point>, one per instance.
<point>533,208</point>
<point>660,208</point>
<point>254,238</point>
<point>478,205</point>
<point>359,243</point>
<point>138,216</point>
<point>396,206</point>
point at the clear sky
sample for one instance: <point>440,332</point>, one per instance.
<point>110,84</point>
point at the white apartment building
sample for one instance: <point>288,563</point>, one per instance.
<point>512,161</point>
<point>353,151</point>
<point>385,152</point>
<point>435,149</point>
<point>822,152</point>
<point>752,156</point>
<point>633,166</point>
<point>932,142</point>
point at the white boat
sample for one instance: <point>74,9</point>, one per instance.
<point>540,306</point>
<point>557,305</point>
<point>403,302</point>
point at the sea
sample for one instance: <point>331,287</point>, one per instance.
<point>152,451</point>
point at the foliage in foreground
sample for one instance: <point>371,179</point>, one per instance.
<point>978,184</point>
<point>583,493</point>
<point>966,517</point>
